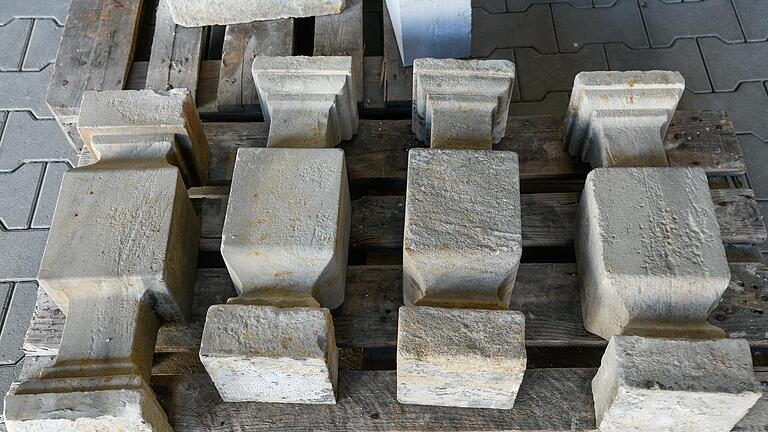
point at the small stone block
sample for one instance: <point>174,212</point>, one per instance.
<point>460,357</point>
<point>286,232</point>
<point>148,112</point>
<point>198,13</point>
<point>462,241</point>
<point>308,101</point>
<point>621,118</point>
<point>269,354</point>
<point>461,103</point>
<point>648,248</point>
<point>658,385</point>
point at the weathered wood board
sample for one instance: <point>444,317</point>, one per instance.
<point>342,35</point>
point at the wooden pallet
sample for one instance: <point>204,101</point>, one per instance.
<point>556,392</point>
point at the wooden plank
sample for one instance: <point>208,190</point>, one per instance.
<point>548,295</point>
<point>373,85</point>
<point>342,35</point>
<point>242,43</point>
<point>398,80</point>
<point>176,53</point>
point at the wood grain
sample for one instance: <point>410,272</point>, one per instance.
<point>342,35</point>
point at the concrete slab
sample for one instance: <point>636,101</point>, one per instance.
<point>25,91</point>
<point>13,38</point>
<point>702,18</point>
<point>25,139</point>
<point>196,13</point>
<point>579,26</point>
<point>49,193</point>
<point>540,74</point>
<point>752,15</point>
<point>18,192</point>
<point>532,28</point>
<point>43,45</point>
<point>21,255</point>
<point>731,64</point>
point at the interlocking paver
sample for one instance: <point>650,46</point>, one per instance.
<point>492,6</point>
<point>8,374</point>
<point>49,192</point>
<point>539,74</point>
<point>752,15</point>
<point>756,157</point>
<point>25,91</point>
<point>554,103</point>
<point>21,253</point>
<point>669,21</point>
<point>532,28</point>
<point>13,39</point>
<point>747,107</point>
<point>683,56</point>
<point>25,139</point>
<point>54,9</point>
<point>43,45</point>
<point>521,5</point>
<point>16,322</point>
<point>619,23</point>
<point>731,64</point>
<point>18,191</point>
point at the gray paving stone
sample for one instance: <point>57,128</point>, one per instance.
<point>13,38</point>
<point>668,21</point>
<point>509,54</point>
<point>752,15</point>
<point>522,5</point>
<point>747,107</point>
<point>683,56</point>
<point>49,192</point>
<point>539,74</point>
<point>25,139</point>
<point>21,254</point>
<point>578,26</point>
<point>532,28</point>
<point>731,64</point>
<point>16,322</point>
<point>756,157</point>
<point>54,9</point>
<point>25,91</point>
<point>554,103</point>
<point>8,374</point>
<point>43,45</point>
<point>18,191</point>
<point>491,6</point>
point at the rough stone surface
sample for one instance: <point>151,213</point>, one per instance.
<point>461,103</point>
<point>269,354</point>
<point>657,385</point>
<point>462,241</point>
<point>431,28</point>
<point>196,13</point>
<point>621,118</point>
<point>460,357</point>
<point>148,112</point>
<point>309,101</point>
<point>648,248</point>
<point>286,231</point>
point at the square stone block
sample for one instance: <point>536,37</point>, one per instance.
<point>462,242</point>
<point>460,357</point>
<point>657,385</point>
<point>128,228</point>
<point>286,231</point>
<point>269,354</point>
<point>198,13</point>
<point>648,248</point>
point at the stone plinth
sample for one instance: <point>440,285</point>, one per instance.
<point>621,118</point>
<point>198,13</point>
<point>270,354</point>
<point>307,101</point>
<point>461,103</point>
<point>431,28</point>
<point>648,249</point>
<point>462,241</point>
<point>460,357</point>
<point>286,232</point>
<point>652,385</point>
<point>148,112</point>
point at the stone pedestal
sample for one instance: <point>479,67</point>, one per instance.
<point>460,357</point>
<point>648,248</point>
<point>620,118</point>
<point>307,101</point>
<point>198,13</point>
<point>431,28</point>
<point>461,103</point>
<point>462,242</point>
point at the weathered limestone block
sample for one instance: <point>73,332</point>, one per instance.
<point>148,112</point>
<point>270,354</point>
<point>462,241</point>
<point>651,385</point>
<point>461,104</point>
<point>648,249</point>
<point>198,13</point>
<point>431,28</point>
<point>307,101</point>
<point>621,118</point>
<point>460,357</point>
<point>286,231</point>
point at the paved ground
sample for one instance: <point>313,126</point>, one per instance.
<point>720,47</point>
